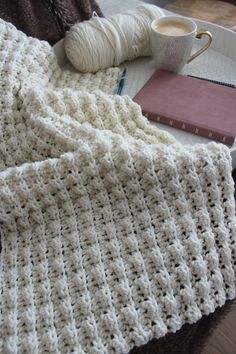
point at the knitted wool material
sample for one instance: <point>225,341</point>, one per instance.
<point>112,232</point>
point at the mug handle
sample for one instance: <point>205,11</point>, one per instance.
<point>199,35</point>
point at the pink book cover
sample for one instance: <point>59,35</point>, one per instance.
<point>200,107</point>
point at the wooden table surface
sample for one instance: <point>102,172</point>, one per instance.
<point>220,12</point>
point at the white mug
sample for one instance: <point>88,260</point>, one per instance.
<point>172,39</point>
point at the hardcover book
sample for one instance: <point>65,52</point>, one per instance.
<point>200,107</point>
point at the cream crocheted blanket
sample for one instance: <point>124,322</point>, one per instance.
<point>112,232</point>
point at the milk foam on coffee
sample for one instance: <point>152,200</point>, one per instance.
<point>173,28</point>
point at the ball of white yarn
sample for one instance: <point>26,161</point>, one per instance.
<point>104,42</point>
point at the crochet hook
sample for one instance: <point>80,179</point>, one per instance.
<point>121,82</point>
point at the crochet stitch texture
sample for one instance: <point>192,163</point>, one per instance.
<point>112,232</point>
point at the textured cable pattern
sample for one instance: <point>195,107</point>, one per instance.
<point>103,261</point>
<point>28,64</point>
<point>112,233</point>
<point>99,110</point>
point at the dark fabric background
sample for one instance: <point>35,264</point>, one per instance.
<point>47,19</point>
<point>191,338</point>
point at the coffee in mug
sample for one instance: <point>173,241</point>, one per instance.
<point>172,39</point>
<point>173,28</point>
